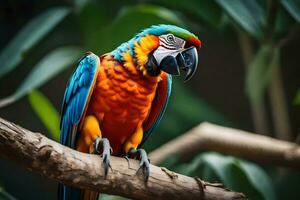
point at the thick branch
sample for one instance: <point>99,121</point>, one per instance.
<point>239,143</point>
<point>38,153</point>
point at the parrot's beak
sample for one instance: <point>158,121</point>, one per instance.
<point>186,60</point>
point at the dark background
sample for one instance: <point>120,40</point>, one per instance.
<point>218,88</point>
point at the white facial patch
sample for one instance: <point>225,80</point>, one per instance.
<point>169,46</point>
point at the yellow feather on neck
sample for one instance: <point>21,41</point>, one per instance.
<point>129,63</point>
<point>143,48</point>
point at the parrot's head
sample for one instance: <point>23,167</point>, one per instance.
<point>159,48</point>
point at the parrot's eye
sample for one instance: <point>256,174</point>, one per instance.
<point>170,38</point>
<point>171,42</point>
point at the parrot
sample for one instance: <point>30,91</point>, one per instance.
<point>114,102</point>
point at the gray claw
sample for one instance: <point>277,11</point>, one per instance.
<point>107,150</point>
<point>144,162</point>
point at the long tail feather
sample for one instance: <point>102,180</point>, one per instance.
<point>68,193</point>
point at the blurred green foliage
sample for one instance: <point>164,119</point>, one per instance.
<point>293,7</point>
<point>5,196</point>
<point>101,30</point>
<point>249,15</point>
<point>48,67</point>
<point>30,35</point>
<point>297,98</point>
<point>260,71</point>
<point>48,114</point>
<point>232,172</point>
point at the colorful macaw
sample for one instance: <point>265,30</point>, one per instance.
<point>113,103</point>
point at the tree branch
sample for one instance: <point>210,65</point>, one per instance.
<point>57,162</point>
<point>235,142</point>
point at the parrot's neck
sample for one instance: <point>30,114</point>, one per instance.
<point>134,53</point>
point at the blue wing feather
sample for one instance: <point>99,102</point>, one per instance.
<point>76,98</point>
<point>149,131</point>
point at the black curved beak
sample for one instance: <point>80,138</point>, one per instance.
<point>186,60</point>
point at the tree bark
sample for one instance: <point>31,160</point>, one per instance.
<point>57,162</point>
<point>231,141</point>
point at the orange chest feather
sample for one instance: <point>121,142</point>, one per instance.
<point>122,98</point>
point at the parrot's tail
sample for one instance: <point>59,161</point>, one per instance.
<point>68,193</point>
<point>71,193</point>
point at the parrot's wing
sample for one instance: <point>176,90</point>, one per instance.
<point>158,107</point>
<point>76,98</point>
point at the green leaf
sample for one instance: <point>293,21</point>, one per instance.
<point>47,68</point>
<point>235,174</point>
<point>160,12</point>
<point>5,196</point>
<point>131,20</point>
<point>260,72</point>
<point>208,11</point>
<point>80,4</point>
<point>287,186</point>
<point>255,173</point>
<point>284,23</point>
<point>92,20</point>
<point>296,100</point>
<point>110,197</point>
<point>247,14</point>
<point>29,36</point>
<point>46,112</point>
<point>293,7</point>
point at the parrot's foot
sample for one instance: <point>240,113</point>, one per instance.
<point>144,161</point>
<point>103,143</point>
